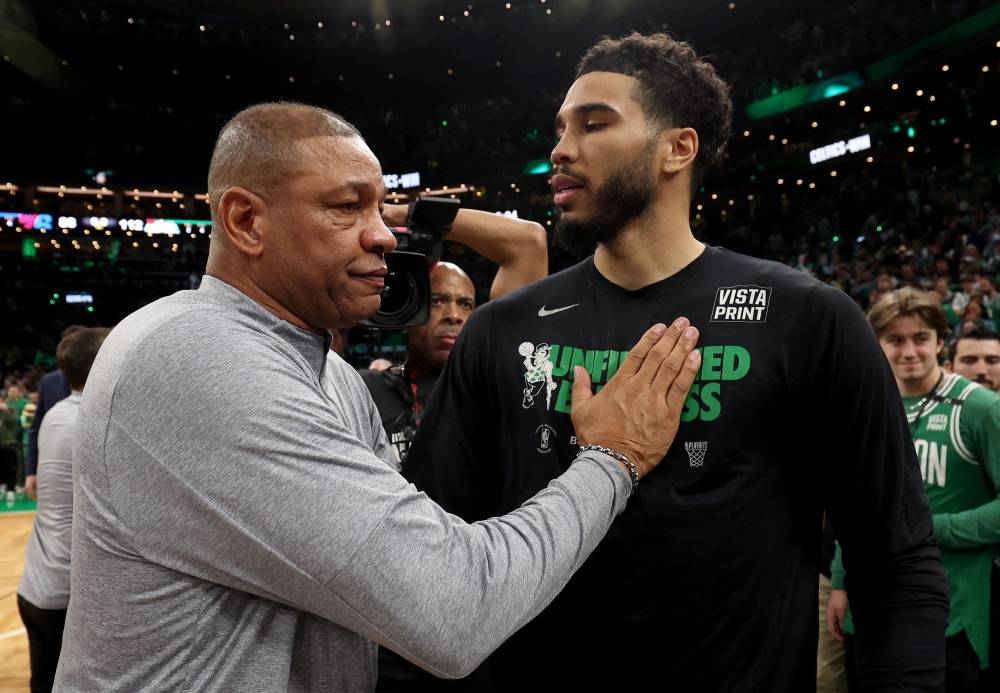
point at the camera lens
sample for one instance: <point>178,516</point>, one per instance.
<point>406,295</point>
<point>397,294</point>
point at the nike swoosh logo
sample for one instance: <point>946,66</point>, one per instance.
<point>542,312</point>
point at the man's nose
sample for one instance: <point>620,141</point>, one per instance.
<point>565,151</point>
<point>452,314</point>
<point>378,237</point>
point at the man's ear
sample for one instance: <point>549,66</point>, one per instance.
<point>240,215</point>
<point>948,368</point>
<point>678,149</point>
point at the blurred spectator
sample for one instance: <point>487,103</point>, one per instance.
<point>380,364</point>
<point>9,426</point>
<point>17,399</point>
<point>44,590</point>
<point>991,298</point>
<point>975,314</point>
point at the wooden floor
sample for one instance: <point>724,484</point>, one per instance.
<point>15,528</point>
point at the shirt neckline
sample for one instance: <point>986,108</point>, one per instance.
<point>655,290</point>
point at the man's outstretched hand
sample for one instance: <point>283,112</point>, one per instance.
<point>638,412</point>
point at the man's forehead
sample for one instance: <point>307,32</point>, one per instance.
<point>608,88</point>
<point>977,347</point>
<point>907,325</point>
<point>346,157</point>
<point>445,280</point>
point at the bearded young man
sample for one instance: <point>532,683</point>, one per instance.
<point>955,425</point>
<point>795,411</point>
<point>976,355</point>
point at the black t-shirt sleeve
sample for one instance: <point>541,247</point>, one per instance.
<point>454,458</point>
<point>867,472</point>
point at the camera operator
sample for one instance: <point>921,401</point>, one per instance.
<point>517,245</point>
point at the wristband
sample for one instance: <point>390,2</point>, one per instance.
<point>632,471</point>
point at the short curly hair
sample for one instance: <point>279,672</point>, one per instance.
<point>676,89</point>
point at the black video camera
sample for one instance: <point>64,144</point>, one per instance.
<point>406,296</point>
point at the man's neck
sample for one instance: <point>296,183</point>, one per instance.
<point>917,388</point>
<point>652,248</point>
<point>251,290</point>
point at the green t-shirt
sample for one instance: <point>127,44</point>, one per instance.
<point>956,430</point>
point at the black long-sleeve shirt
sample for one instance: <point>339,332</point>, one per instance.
<point>708,580</point>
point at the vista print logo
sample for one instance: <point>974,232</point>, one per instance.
<point>745,303</point>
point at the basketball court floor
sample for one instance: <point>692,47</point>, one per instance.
<point>15,528</point>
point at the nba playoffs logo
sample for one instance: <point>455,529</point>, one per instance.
<point>747,303</point>
<point>696,453</point>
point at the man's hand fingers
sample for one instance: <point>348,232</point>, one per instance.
<point>660,351</point>
<point>638,353</point>
<point>680,386</point>
<point>581,386</point>
<point>671,366</point>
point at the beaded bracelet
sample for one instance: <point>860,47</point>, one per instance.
<point>632,471</point>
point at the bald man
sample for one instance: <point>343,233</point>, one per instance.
<point>189,574</point>
<point>520,249</point>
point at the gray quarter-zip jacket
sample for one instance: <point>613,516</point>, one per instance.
<point>240,524</point>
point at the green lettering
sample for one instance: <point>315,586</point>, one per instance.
<point>709,400</point>
<point>600,363</point>
<point>590,365</point>
<point>612,364</point>
<point>560,370</point>
<point>577,360</point>
<point>735,363</point>
<point>564,402</point>
<point>691,405</point>
<point>711,359</point>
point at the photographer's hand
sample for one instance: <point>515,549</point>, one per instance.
<point>638,412</point>
<point>395,215</point>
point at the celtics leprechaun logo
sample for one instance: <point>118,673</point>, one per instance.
<point>538,377</point>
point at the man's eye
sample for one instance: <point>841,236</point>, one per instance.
<point>593,127</point>
<point>349,206</point>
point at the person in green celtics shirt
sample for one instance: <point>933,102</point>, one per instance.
<point>956,430</point>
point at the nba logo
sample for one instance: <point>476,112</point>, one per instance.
<point>546,436</point>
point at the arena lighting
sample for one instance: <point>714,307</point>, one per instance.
<point>446,191</point>
<point>831,151</point>
<point>79,297</point>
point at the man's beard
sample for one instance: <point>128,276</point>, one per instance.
<point>624,196</point>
